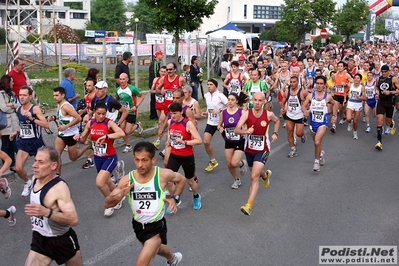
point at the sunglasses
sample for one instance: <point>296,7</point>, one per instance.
<point>170,69</point>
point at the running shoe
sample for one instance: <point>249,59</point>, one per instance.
<point>108,212</point>
<point>303,138</point>
<point>156,144</point>
<point>177,257</point>
<point>246,209</point>
<point>378,146</point>
<point>387,130</point>
<point>284,125</point>
<point>333,129</point>
<point>355,136</point>
<point>88,164</point>
<point>236,184</point>
<point>316,166</point>
<point>119,205</point>
<point>211,165</point>
<point>197,203</point>
<point>162,153</point>
<point>350,126</point>
<point>364,119</point>
<point>196,181</point>
<point>120,170</point>
<point>5,189</point>
<point>393,129</point>
<point>292,153</point>
<point>11,219</point>
<point>27,189</point>
<point>140,129</point>
<point>266,181</point>
<point>294,141</point>
<point>243,168</point>
<point>342,121</point>
<point>322,160</point>
<point>368,129</point>
<point>127,149</point>
<point>113,179</point>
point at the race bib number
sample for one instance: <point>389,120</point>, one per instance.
<point>293,105</point>
<point>339,88</point>
<point>211,116</point>
<point>235,88</point>
<point>354,94</point>
<point>126,105</point>
<point>256,143</point>
<point>26,131</point>
<point>230,134</point>
<point>99,149</point>
<point>40,224</point>
<point>317,116</point>
<point>145,203</point>
<point>174,143</point>
<point>169,95</point>
<point>159,98</point>
<point>370,94</point>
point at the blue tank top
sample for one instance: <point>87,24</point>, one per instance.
<point>229,123</point>
<point>28,129</point>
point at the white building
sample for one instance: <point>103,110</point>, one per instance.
<point>24,15</point>
<point>253,16</point>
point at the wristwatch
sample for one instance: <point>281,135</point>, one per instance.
<point>176,198</point>
<point>275,133</point>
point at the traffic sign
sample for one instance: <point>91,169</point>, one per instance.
<point>323,33</point>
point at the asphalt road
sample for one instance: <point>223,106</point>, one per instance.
<point>353,200</point>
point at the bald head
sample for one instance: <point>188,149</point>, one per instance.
<point>295,71</point>
<point>259,95</point>
<point>123,75</point>
<point>123,79</point>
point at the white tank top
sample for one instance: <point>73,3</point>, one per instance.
<point>353,92</point>
<point>370,90</point>
<point>294,110</point>
<point>64,120</point>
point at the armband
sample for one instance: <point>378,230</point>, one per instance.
<point>176,198</point>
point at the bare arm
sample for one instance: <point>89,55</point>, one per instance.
<point>118,132</point>
<point>196,138</point>
<point>124,114</point>
<point>238,130</point>
<point>119,192</point>
<point>41,120</point>
<point>272,117</point>
<point>6,164</point>
<point>197,110</point>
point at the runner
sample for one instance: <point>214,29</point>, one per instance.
<point>127,95</point>
<point>257,148</point>
<point>102,132</point>
<point>255,85</point>
<point>182,136</point>
<point>30,120</point>
<point>148,207</point>
<point>317,102</point>
<point>159,106</point>
<point>52,213</point>
<point>191,102</point>
<point>385,89</point>
<point>234,144</point>
<point>68,120</point>
<point>371,102</point>
<point>5,189</point>
<point>215,103</point>
<point>234,80</point>
<point>357,95</point>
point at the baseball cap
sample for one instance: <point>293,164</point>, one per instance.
<point>241,58</point>
<point>101,84</point>
<point>385,68</point>
<point>158,53</point>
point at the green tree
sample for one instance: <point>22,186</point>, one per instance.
<point>109,15</point>
<point>299,17</point>
<point>380,23</point>
<point>352,17</point>
<point>145,15</point>
<point>178,16</point>
<point>74,5</point>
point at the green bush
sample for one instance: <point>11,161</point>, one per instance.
<point>76,66</point>
<point>81,34</point>
<point>33,38</point>
<point>2,36</point>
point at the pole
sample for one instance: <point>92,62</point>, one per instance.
<point>55,36</point>
<point>136,58</point>
<point>164,52</point>
<point>60,60</point>
<point>104,56</point>
<point>208,56</point>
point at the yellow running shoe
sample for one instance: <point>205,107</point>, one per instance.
<point>393,129</point>
<point>378,146</point>
<point>211,165</point>
<point>156,144</point>
<point>246,209</point>
<point>266,181</point>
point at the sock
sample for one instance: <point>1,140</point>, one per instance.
<point>196,196</point>
<point>368,125</point>
<point>316,161</point>
<point>250,202</point>
<point>127,145</point>
<point>293,148</point>
<point>213,160</point>
<point>172,259</point>
<point>7,214</point>
<point>89,159</point>
<point>379,136</point>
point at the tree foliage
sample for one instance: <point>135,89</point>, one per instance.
<point>380,23</point>
<point>145,15</point>
<point>299,17</point>
<point>352,17</point>
<point>334,39</point>
<point>178,16</point>
<point>279,33</point>
<point>74,5</point>
<point>109,15</point>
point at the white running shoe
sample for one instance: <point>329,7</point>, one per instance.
<point>5,189</point>
<point>27,189</point>
<point>177,257</point>
<point>236,184</point>
<point>316,166</point>
<point>120,170</point>
<point>127,149</point>
<point>350,126</point>
<point>368,129</point>
<point>108,212</point>
<point>355,136</point>
<point>113,179</point>
<point>322,160</point>
<point>11,219</point>
<point>364,119</point>
<point>140,129</point>
<point>292,153</point>
<point>243,168</point>
<point>341,122</point>
<point>119,205</point>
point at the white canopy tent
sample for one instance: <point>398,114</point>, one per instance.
<point>231,32</point>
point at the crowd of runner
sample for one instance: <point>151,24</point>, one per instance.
<point>316,88</point>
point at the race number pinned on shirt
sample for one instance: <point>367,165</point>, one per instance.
<point>317,116</point>
<point>99,149</point>
<point>211,116</point>
<point>40,225</point>
<point>339,88</point>
<point>230,134</point>
<point>169,95</point>
<point>126,105</point>
<point>256,143</point>
<point>174,143</point>
<point>26,131</point>
<point>159,98</point>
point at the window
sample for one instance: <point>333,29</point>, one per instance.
<point>61,14</point>
<point>245,11</point>
<point>78,16</point>
<point>267,12</point>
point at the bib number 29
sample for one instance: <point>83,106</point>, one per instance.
<point>144,204</point>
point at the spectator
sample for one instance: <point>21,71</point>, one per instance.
<point>233,48</point>
<point>194,71</point>
<point>154,73</point>
<point>18,75</point>
<point>67,84</point>
<point>123,67</point>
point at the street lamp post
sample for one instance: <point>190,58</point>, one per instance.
<point>136,58</point>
